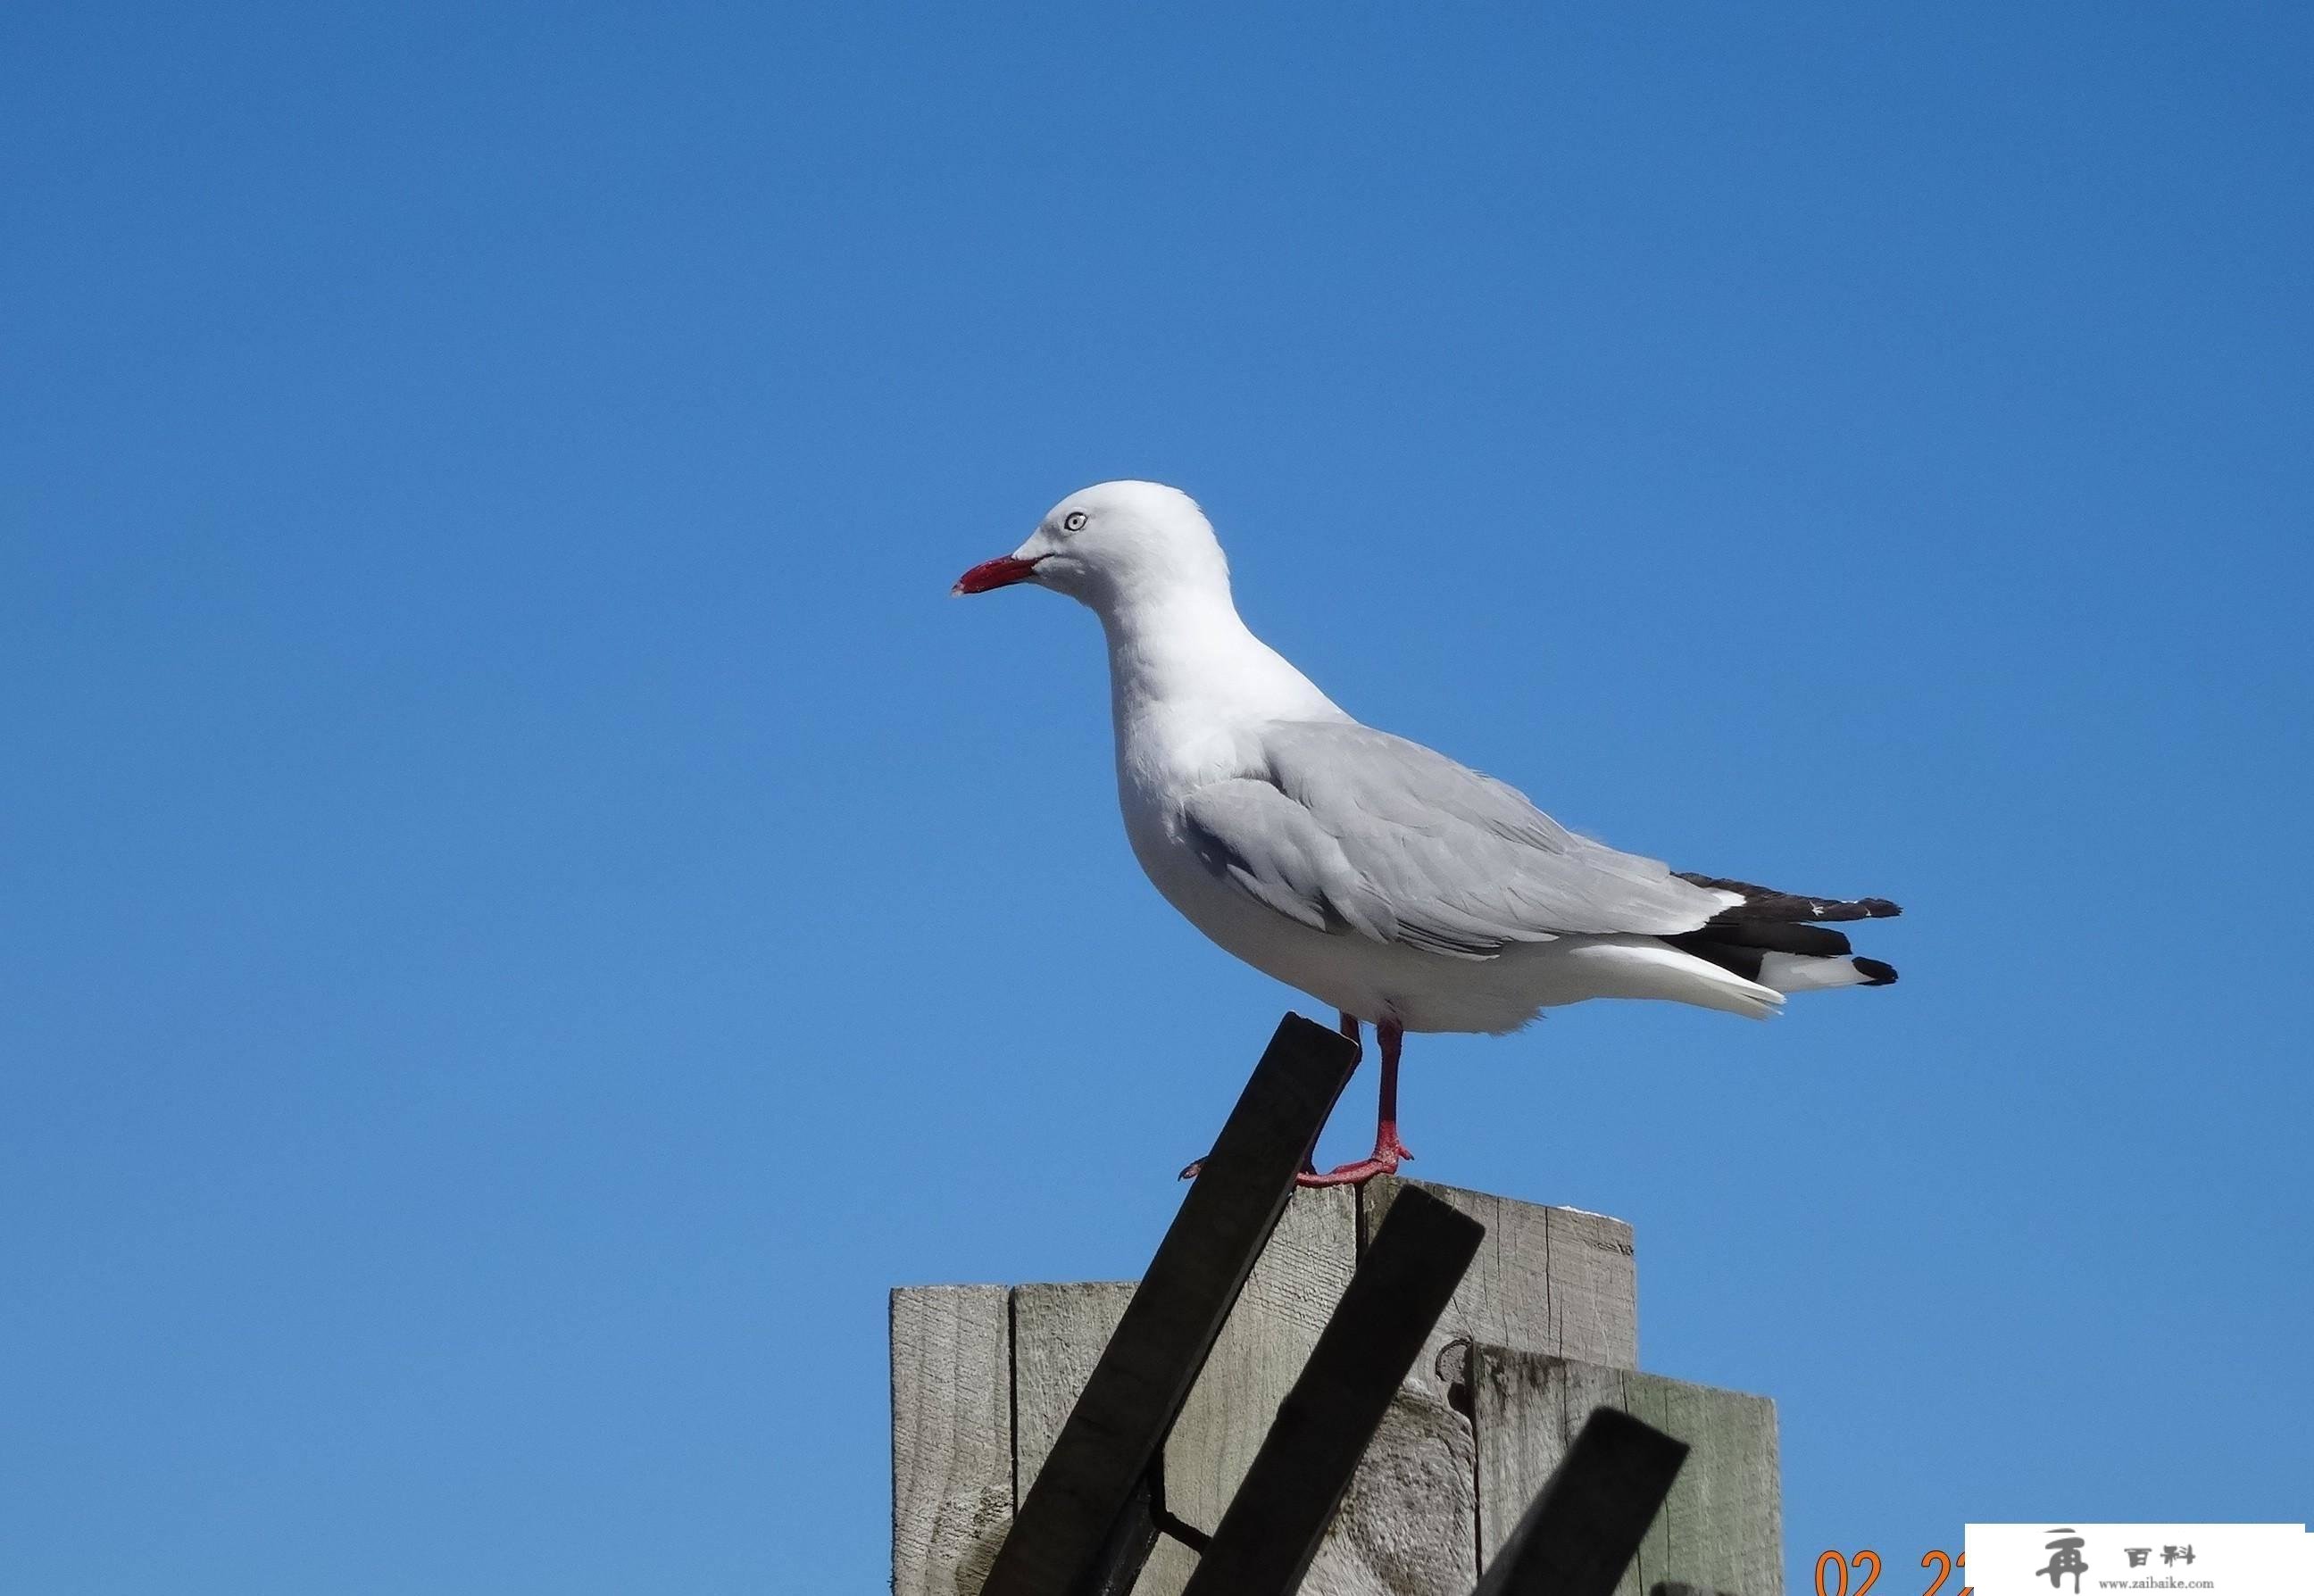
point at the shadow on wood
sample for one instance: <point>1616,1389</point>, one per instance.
<point>1718,1530</point>
<point>1586,1524</point>
<point>1070,1536</point>
<point>1540,1332</point>
<point>1281,1512</point>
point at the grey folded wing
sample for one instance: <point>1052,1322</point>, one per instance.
<point>1353,831</point>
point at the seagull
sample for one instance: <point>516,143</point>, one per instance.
<point>1401,888</point>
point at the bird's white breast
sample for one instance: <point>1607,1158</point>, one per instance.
<point>1190,693</point>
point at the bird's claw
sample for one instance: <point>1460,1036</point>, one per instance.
<point>1385,1160</point>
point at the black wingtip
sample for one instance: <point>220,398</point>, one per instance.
<point>1875,973</point>
<point>1766,903</point>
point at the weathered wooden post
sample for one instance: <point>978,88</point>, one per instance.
<point>1542,1330</point>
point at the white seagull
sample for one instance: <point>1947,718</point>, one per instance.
<point>1384,880</point>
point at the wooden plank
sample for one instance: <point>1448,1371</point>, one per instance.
<point>1069,1511</point>
<point>1270,1534</point>
<point>1548,1280</point>
<point>1409,1526</point>
<point>1581,1534</point>
<point>1722,1527</point>
<point>1167,1570</point>
<point>951,1436</point>
<point>1595,1296</point>
<point>1286,1300</point>
<point>1125,1557</point>
<point>1058,1332</point>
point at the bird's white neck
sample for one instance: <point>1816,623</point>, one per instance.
<point>1183,664</point>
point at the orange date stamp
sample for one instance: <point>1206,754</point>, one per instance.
<point>1858,1572</point>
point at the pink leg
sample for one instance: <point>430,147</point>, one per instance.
<point>1388,1149</point>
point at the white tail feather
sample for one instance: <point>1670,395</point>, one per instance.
<point>1808,972</point>
<point>1643,967</point>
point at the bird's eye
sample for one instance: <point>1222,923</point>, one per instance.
<point>1074,521</point>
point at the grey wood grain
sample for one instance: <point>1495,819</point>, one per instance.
<point>951,1436</point>
<point>1722,1527</point>
<point>1067,1523</point>
<point>1290,1500</point>
<point>1409,1526</point>
<point>1410,1510</point>
<point>1058,1332</point>
<point>1285,1303</point>
<point>1547,1280</point>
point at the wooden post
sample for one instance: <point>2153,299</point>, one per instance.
<point>1071,1536</point>
<point>1271,1532</point>
<point>1543,1323</point>
<point>1722,1526</point>
<point>952,1441</point>
<point>1581,1535</point>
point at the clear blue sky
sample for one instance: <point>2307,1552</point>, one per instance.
<point>528,908</point>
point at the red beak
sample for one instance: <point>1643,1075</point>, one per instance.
<point>994,573</point>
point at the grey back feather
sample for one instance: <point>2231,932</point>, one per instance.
<point>1353,830</point>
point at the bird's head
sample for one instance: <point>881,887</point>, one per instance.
<point>1111,544</point>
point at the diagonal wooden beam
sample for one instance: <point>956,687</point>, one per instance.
<point>1070,1536</point>
<point>1271,1531</point>
<point>1582,1529</point>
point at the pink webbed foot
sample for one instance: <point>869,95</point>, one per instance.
<point>1384,1159</point>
